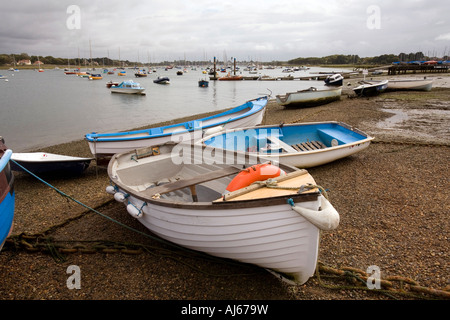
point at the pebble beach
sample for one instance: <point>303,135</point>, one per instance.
<point>393,200</point>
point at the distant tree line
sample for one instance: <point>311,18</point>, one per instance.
<point>336,59</point>
<point>356,60</point>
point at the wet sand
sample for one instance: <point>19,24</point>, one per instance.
<point>393,200</point>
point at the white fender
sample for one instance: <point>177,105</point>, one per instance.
<point>212,130</point>
<point>326,219</point>
<point>110,190</point>
<point>133,211</point>
<point>119,196</point>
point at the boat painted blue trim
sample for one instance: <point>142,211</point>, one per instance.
<point>289,134</point>
<point>254,106</point>
<point>7,197</point>
<point>6,215</point>
<point>5,159</point>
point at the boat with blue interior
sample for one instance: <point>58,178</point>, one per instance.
<point>104,145</point>
<point>301,145</point>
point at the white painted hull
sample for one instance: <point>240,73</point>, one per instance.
<point>113,147</point>
<point>266,231</point>
<point>422,85</point>
<point>127,91</point>
<point>308,159</point>
<point>272,237</point>
<point>309,97</point>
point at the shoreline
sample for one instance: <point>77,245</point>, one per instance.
<point>391,197</point>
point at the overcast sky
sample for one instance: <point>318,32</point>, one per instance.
<point>263,30</point>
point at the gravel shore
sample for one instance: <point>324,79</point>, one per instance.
<point>393,200</point>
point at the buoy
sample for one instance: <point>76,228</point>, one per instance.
<point>258,172</point>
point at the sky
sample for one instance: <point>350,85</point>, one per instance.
<point>258,30</point>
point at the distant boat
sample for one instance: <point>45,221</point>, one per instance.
<point>334,80</point>
<point>140,74</point>
<point>162,80</point>
<point>250,113</point>
<point>301,145</point>
<point>111,83</point>
<point>371,88</point>
<point>179,73</point>
<point>210,205</point>
<point>122,73</point>
<point>128,87</point>
<point>410,84</point>
<point>203,83</point>
<point>309,97</point>
<point>229,77</point>
<point>95,77</point>
<point>7,194</point>
<point>45,163</point>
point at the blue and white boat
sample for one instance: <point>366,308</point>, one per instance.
<point>302,145</point>
<point>371,88</point>
<point>250,113</point>
<point>128,87</point>
<point>7,195</point>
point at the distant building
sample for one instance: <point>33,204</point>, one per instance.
<point>24,63</point>
<point>38,62</point>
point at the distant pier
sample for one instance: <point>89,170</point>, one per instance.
<point>399,69</point>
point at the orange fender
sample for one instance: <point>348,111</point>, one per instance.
<point>258,172</point>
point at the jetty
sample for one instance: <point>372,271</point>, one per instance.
<point>414,68</point>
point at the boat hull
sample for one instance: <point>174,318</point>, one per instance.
<point>309,98</point>
<point>371,89</point>
<point>106,145</point>
<point>257,140</point>
<point>419,85</point>
<point>44,163</point>
<point>263,231</point>
<point>7,196</point>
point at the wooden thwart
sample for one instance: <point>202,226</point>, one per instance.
<point>257,191</point>
<point>308,146</point>
<point>184,183</point>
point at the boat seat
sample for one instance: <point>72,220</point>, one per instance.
<point>308,146</point>
<point>282,144</point>
<point>191,182</point>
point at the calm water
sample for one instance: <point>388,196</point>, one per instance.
<point>39,109</point>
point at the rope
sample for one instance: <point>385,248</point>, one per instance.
<point>272,183</point>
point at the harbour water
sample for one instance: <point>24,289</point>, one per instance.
<point>39,109</point>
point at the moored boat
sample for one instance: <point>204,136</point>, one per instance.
<point>49,163</point>
<point>162,80</point>
<point>301,145</point>
<point>410,84</point>
<point>371,88</point>
<point>203,83</point>
<point>7,194</point>
<point>250,113</point>
<point>111,83</point>
<point>181,194</point>
<point>128,87</point>
<point>230,77</point>
<point>334,80</point>
<point>95,76</point>
<point>309,97</point>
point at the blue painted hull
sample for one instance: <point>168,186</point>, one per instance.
<point>7,195</point>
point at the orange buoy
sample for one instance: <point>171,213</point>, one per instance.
<point>258,172</point>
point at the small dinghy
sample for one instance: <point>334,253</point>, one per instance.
<point>302,145</point>
<point>371,88</point>
<point>46,163</point>
<point>309,97</point>
<point>213,204</point>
